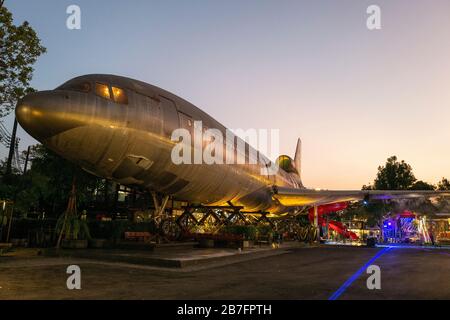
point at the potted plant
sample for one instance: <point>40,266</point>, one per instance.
<point>72,227</point>
<point>248,234</point>
<point>264,234</point>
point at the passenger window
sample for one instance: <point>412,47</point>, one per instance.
<point>119,95</point>
<point>102,90</point>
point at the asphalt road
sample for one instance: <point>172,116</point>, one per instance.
<point>305,273</point>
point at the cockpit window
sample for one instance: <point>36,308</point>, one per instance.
<point>102,90</point>
<point>116,94</point>
<point>81,86</point>
<point>119,95</point>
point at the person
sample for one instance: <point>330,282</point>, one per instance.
<point>371,240</point>
<point>430,232</point>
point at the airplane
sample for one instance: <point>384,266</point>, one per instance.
<point>120,129</point>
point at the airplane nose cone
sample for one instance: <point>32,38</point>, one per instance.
<point>42,114</point>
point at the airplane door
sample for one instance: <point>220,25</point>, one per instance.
<point>154,112</point>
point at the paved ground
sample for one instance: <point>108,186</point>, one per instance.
<point>303,273</point>
<point>189,258</point>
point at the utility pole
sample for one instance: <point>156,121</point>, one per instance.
<point>26,160</point>
<point>12,147</point>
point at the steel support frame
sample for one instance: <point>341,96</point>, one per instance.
<point>224,216</point>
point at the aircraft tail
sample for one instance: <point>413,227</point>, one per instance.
<point>298,158</point>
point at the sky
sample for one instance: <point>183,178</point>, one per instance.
<point>311,69</point>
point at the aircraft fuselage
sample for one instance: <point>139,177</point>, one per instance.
<point>129,141</point>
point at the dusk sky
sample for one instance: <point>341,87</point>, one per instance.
<point>309,68</point>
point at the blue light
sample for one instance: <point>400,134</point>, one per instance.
<point>356,275</point>
<point>389,223</point>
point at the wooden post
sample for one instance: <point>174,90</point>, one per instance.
<point>9,226</point>
<point>71,209</point>
<point>316,223</point>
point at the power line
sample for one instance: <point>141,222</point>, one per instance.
<point>5,140</point>
<point>5,136</point>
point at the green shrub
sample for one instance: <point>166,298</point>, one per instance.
<point>249,232</point>
<point>73,227</point>
<point>265,231</point>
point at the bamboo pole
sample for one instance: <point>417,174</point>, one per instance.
<point>71,207</point>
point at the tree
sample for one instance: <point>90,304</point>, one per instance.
<point>374,212</point>
<point>443,185</point>
<point>394,175</point>
<point>443,202</point>
<point>47,184</point>
<point>19,49</point>
<point>421,185</point>
<point>56,176</point>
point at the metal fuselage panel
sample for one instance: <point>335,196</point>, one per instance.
<point>131,144</point>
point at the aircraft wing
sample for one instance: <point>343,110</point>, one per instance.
<point>292,197</point>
